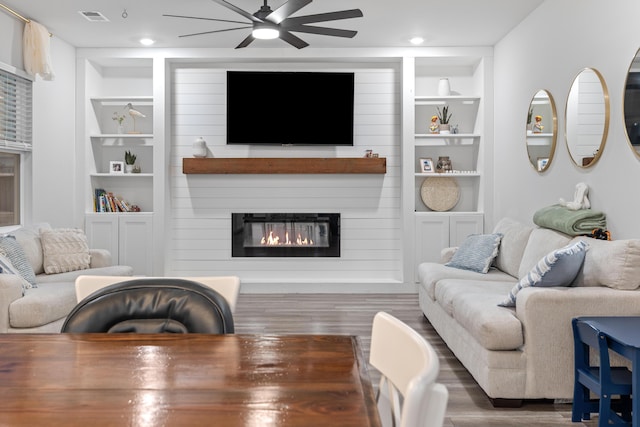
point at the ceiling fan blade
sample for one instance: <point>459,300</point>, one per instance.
<point>246,42</point>
<point>236,9</point>
<point>206,19</point>
<point>215,31</point>
<point>287,9</point>
<point>329,16</point>
<point>322,31</point>
<point>293,40</point>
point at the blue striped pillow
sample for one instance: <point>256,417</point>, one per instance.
<point>11,249</point>
<point>476,253</point>
<point>557,268</point>
<point>7,268</point>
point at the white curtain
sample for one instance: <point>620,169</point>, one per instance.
<point>37,50</point>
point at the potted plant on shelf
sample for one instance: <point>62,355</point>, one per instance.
<point>444,116</point>
<point>129,160</point>
<point>119,118</point>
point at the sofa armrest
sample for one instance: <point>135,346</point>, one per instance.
<point>447,253</point>
<point>100,258</point>
<point>10,290</point>
<point>546,315</point>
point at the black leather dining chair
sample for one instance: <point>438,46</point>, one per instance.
<point>152,305</point>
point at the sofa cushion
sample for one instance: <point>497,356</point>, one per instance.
<point>64,249</point>
<point>430,273</point>
<point>44,304</point>
<point>615,264</point>
<point>514,240</point>
<point>558,268</point>
<point>474,305</point>
<point>7,268</point>
<point>29,239</point>
<point>476,253</point>
<point>541,242</point>
<point>10,248</point>
<point>71,276</point>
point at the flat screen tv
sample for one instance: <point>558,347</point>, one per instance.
<point>290,108</point>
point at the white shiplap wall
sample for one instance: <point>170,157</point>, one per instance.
<point>201,205</point>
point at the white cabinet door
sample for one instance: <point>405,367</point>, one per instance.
<point>102,233</point>
<point>128,237</point>
<point>437,231</point>
<point>136,243</point>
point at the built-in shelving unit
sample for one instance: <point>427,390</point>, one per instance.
<point>284,165</point>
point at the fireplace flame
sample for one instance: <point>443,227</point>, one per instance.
<point>272,240</point>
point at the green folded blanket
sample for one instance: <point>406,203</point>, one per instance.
<point>573,223</point>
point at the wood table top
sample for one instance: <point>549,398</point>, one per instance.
<point>184,380</point>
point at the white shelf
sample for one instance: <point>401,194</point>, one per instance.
<point>122,175</point>
<point>441,100</point>
<point>539,135</point>
<point>121,99</point>
<point>122,135</point>
<point>447,175</point>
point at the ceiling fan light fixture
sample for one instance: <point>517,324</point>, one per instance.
<point>265,31</point>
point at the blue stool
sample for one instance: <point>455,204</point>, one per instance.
<point>604,381</point>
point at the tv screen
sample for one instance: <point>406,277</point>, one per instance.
<point>290,108</point>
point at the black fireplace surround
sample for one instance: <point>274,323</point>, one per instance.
<point>285,234</point>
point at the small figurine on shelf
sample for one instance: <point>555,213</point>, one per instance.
<point>434,127</point>
<point>537,126</point>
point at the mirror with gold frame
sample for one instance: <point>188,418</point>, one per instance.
<point>632,105</point>
<point>542,130</point>
<point>587,118</point>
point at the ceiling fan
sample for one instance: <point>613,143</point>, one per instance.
<point>271,24</point>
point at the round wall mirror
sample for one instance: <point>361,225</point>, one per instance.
<point>587,118</point>
<point>542,130</point>
<point>632,104</point>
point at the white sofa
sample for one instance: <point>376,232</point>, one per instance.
<point>45,307</point>
<point>526,352</point>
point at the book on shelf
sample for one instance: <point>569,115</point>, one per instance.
<point>104,201</point>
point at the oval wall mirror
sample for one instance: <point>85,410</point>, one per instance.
<point>542,130</point>
<point>587,118</point>
<point>632,105</point>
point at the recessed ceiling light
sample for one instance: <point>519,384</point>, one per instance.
<point>147,41</point>
<point>416,40</point>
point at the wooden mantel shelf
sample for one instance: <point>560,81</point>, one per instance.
<point>279,165</point>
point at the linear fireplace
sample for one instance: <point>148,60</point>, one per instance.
<point>285,234</point>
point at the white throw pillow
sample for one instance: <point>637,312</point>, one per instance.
<point>64,249</point>
<point>7,268</point>
<point>558,268</point>
<point>476,253</point>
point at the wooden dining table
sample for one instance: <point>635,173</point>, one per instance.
<point>95,380</point>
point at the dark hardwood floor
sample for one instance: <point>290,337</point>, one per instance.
<point>352,314</point>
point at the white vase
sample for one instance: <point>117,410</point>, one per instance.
<point>128,168</point>
<point>120,129</point>
<point>200,148</point>
<point>444,88</point>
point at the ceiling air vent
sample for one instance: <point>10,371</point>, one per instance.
<point>93,16</point>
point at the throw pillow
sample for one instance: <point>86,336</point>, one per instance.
<point>476,253</point>
<point>64,249</point>
<point>557,268</point>
<point>7,268</point>
<point>11,249</point>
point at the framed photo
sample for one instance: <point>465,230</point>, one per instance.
<point>426,165</point>
<point>116,167</point>
<point>542,163</point>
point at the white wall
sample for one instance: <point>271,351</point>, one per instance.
<point>201,205</point>
<point>49,172</point>
<point>546,51</point>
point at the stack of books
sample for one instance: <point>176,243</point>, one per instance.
<point>104,201</point>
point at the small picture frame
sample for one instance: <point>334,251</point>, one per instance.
<point>426,165</point>
<point>116,167</point>
<point>542,163</point>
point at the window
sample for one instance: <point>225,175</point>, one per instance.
<point>9,189</point>
<point>15,138</point>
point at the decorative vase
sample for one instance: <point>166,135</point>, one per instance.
<point>120,129</point>
<point>128,168</point>
<point>200,148</point>
<point>445,129</point>
<point>444,88</point>
<point>444,164</point>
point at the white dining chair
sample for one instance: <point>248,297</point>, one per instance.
<point>227,286</point>
<point>408,395</point>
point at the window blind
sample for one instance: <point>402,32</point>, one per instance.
<point>15,112</point>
